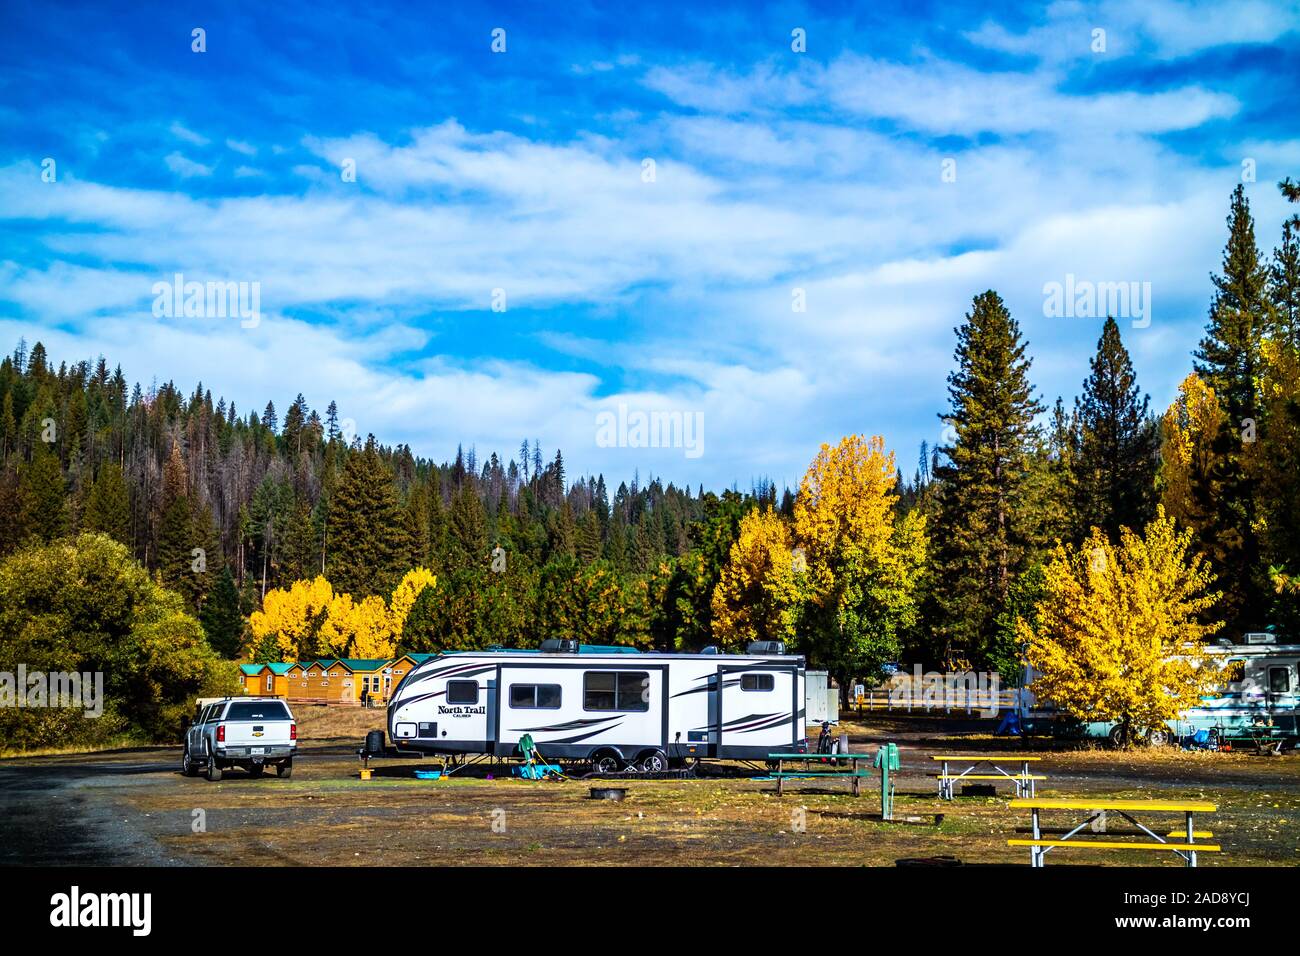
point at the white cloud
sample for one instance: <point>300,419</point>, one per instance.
<point>188,135</point>
<point>185,167</point>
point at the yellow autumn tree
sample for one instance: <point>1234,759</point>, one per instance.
<point>1119,635</point>
<point>404,596</point>
<point>293,617</point>
<point>863,562</point>
<point>308,619</point>
<point>1187,432</point>
<point>358,628</point>
<point>756,598</point>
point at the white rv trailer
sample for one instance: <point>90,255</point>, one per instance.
<point>613,706</point>
<point>1261,685</point>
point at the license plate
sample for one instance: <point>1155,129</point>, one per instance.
<point>257,750</point>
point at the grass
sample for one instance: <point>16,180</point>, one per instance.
<point>707,821</point>
<point>124,742</point>
<point>322,722</point>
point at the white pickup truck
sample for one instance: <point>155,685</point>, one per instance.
<point>248,732</point>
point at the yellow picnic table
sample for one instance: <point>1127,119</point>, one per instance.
<point>1026,782</point>
<point>1096,808</point>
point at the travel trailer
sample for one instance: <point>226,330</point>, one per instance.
<point>615,707</point>
<point>1260,687</point>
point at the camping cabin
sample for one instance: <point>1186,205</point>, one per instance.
<point>265,680</point>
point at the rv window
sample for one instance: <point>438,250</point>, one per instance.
<point>615,690</point>
<point>1279,680</point>
<point>462,692</point>
<point>757,682</point>
<point>535,696</point>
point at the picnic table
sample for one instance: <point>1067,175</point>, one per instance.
<point>1025,782</point>
<point>852,762</point>
<point>1183,839</point>
<point>1266,739</point>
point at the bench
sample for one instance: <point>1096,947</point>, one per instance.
<point>1183,842</point>
<point>854,772</point>
<point>1026,783</point>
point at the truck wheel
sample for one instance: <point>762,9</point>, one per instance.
<point>284,770</point>
<point>256,769</point>
<point>214,769</point>
<point>188,767</point>
<point>654,761</point>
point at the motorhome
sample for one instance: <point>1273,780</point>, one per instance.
<point>1260,686</point>
<point>615,707</point>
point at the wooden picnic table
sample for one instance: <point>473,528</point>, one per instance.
<point>1026,782</point>
<point>856,773</point>
<point>1185,846</point>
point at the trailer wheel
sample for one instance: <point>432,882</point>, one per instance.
<point>654,761</point>
<point>606,761</point>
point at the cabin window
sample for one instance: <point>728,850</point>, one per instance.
<point>615,690</point>
<point>462,692</point>
<point>535,696</point>
<point>270,682</point>
<point>1279,680</point>
<point>757,682</point>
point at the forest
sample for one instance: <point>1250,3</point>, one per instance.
<point>284,537</point>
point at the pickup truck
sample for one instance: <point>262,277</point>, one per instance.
<point>247,732</point>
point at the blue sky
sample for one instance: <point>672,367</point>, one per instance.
<point>775,171</point>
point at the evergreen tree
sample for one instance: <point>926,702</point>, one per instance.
<point>220,617</point>
<point>176,537</point>
<point>44,494</point>
<point>366,534</point>
<point>983,541</point>
<point>1284,284</point>
<point>467,531</point>
<point>1115,468</point>
<point>1229,361</point>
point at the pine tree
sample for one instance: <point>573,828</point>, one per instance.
<point>366,527</point>
<point>983,541</point>
<point>467,531</point>
<point>1115,467</point>
<point>1229,361</point>
<point>1284,284</point>
<point>176,537</point>
<point>220,617</point>
<point>44,494</point>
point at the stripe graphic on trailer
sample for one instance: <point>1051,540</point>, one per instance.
<point>575,739</point>
<point>568,725</point>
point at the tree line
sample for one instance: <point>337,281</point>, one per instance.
<point>858,566</point>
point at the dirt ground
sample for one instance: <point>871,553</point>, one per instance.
<point>133,806</point>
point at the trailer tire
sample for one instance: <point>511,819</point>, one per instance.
<point>606,761</point>
<point>653,761</point>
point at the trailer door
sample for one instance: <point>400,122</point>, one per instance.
<point>758,710</point>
